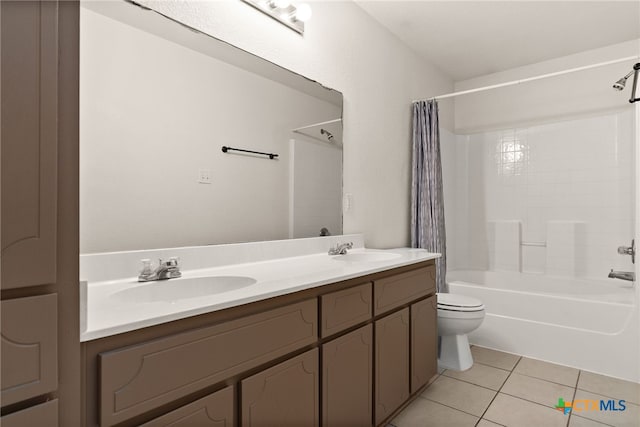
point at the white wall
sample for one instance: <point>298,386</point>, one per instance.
<point>344,48</point>
<point>152,114</point>
<point>582,93</point>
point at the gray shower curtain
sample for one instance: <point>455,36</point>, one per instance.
<point>427,207</point>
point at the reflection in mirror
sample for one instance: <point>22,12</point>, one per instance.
<point>158,101</point>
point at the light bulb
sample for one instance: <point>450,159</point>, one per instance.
<point>282,4</point>
<point>303,12</point>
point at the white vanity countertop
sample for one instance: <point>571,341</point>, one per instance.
<point>105,315</point>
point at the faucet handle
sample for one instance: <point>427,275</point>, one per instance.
<point>146,266</point>
<point>629,250</point>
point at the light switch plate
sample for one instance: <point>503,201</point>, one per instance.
<point>204,176</point>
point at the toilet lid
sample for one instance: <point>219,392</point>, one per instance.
<point>456,302</point>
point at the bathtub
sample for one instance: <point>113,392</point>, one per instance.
<point>587,324</point>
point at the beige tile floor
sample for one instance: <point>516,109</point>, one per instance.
<point>503,389</point>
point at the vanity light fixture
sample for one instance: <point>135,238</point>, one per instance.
<point>291,15</point>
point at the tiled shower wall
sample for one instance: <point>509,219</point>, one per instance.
<point>552,198</point>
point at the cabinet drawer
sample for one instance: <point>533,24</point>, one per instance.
<point>343,309</point>
<point>215,410</point>
<point>285,395</point>
<point>43,415</point>
<point>139,378</point>
<point>29,347</point>
<point>394,291</point>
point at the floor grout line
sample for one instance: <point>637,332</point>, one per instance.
<point>495,367</point>
<point>527,400</point>
<point>575,391</point>
<point>477,385</point>
<point>544,379</point>
<point>498,392</point>
<point>450,407</point>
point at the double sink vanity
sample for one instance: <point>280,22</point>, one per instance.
<point>267,334</point>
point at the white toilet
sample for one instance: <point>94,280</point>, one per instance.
<point>457,316</point>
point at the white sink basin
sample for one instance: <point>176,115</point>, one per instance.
<point>366,257</point>
<point>178,289</point>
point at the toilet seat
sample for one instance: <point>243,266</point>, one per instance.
<point>455,302</point>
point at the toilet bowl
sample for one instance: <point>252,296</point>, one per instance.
<point>457,316</point>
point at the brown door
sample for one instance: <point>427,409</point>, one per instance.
<point>392,363</point>
<point>424,342</point>
<point>39,210</point>
<point>347,379</point>
<point>29,142</point>
<point>284,395</point>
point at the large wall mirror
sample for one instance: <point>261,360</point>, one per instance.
<point>158,101</point>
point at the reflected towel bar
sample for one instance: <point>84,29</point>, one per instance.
<point>226,149</point>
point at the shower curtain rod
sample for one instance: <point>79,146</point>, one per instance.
<point>316,124</point>
<point>529,79</point>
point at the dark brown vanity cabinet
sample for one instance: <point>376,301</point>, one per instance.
<point>347,379</point>
<point>392,363</point>
<point>214,410</point>
<point>424,342</point>
<point>344,354</point>
<point>284,395</point>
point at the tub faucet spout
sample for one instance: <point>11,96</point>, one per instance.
<point>623,275</point>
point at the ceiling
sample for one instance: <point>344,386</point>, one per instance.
<point>472,38</point>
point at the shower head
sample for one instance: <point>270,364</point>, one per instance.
<point>619,85</point>
<point>326,132</point>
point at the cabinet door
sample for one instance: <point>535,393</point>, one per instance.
<point>424,342</point>
<point>392,363</point>
<point>347,384</point>
<point>29,142</point>
<point>29,347</point>
<point>284,395</point>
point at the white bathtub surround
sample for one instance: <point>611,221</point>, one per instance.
<point>587,324</point>
<point>504,238</point>
<point>566,243</point>
<point>277,267</point>
<point>569,183</point>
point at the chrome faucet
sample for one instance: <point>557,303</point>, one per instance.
<point>623,275</point>
<point>165,270</point>
<point>340,248</point>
